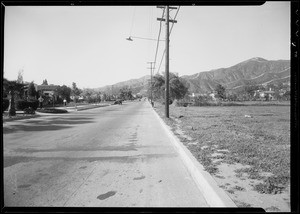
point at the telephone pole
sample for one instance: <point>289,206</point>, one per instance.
<point>167,20</point>
<point>151,69</point>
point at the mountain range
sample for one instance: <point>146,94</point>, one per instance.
<point>255,71</point>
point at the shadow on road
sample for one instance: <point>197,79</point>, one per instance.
<point>46,124</point>
<point>12,160</point>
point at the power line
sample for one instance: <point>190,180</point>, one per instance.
<point>174,19</point>
<point>158,37</point>
<point>132,20</point>
<point>170,34</point>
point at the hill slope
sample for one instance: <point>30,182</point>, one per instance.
<point>136,85</point>
<point>256,71</point>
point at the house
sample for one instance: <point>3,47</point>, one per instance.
<point>79,98</point>
<point>268,95</point>
<point>46,90</point>
<point>193,96</point>
<point>213,95</point>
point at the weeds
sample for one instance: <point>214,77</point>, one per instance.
<point>262,141</point>
<point>272,185</point>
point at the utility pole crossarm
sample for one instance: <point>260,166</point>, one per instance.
<point>171,8</point>
<point>170,20</point>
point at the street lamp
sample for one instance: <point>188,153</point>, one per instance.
<point>130,38</point>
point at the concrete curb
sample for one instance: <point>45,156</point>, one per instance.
<point>214,195</point>
<point>82,108</point>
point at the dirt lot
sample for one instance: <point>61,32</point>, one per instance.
<point>245,148</point>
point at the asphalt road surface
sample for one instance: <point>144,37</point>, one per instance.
<point>115,156</point>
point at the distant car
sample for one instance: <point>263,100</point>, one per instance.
<point>118,102</point>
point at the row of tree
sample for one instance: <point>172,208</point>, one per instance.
<point>253,92</point>
<point>18,88</point>
<point>178,88</point>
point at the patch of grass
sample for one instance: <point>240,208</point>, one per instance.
<point>203,156</point>
<point>52,111</point>
<point>272,208</point>
<point>242,204</point>
<point>262,141</point>
<point>238,188</point>
<point>230,191</point>
<point>272,185</point>
<point>221,177</point>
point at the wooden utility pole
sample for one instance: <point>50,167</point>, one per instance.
<point>167,20</point>
<point>151,72</point>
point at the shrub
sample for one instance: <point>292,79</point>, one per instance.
<point>232,104</point>
<point>53,111</point>
<point>170,102</point>
<point>29,110</point>
<point>181,104</point>
<point>199,102</point>
<point>5,104</point>
<point>33,104</point>
<point>23,104</point>
<point>59,100</point>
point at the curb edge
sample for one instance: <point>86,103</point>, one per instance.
<point>214,195</point>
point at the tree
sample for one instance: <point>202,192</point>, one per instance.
<point>17,87</point>
<point>178,87</point>
<point>158,86</point>
<point>11,107</point>
<point>221,91</point>
<point>98,93</point>
<point>45,82</point>
<point>287,95</point>
<point>12,88</point>
<point>103,97</point>
<point>91,95</point>
<point>270,86</point>
<point>75,91</point>
<point>31,90</point>
<point>125,93</point>
<point>5,85</point>
<point>250,90</point>
<point>64,92</point>
<point>20,77</point>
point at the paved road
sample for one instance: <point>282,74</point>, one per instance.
<point>112,156</point>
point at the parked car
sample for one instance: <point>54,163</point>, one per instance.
<point>118,102</point>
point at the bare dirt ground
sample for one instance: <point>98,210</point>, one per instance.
<point>247,156</point>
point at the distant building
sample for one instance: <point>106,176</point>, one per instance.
<point>79,98</point>
<point>265,94</point>
<point>46,90</point>
<point>213,96</point>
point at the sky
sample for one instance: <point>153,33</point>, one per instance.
<point>87,44</point>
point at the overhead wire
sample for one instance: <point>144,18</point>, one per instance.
<point>132,21</point>
<point>150,31</point>
<point>169,35</point>
<point>157,44</point>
